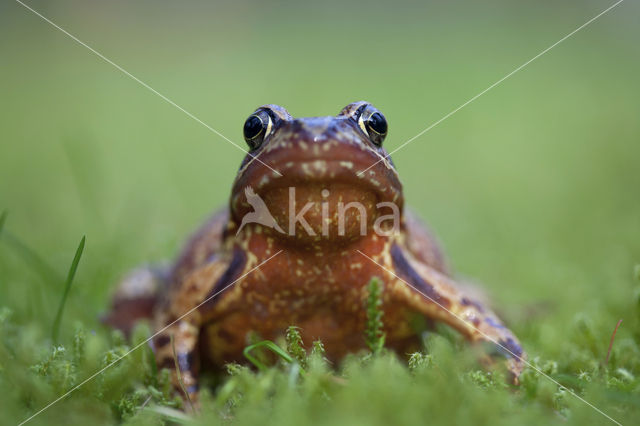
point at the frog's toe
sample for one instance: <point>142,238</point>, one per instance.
<point>516,358</point>
<point>509,352</point>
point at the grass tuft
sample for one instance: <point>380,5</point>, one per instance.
<point>374,335</point>
<point>295,346</point>
<point>317,349</point>
<point>67,286</point>
<point>419,361</point>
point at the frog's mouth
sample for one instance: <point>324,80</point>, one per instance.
<point>326,176</point>
<point>354,168</point>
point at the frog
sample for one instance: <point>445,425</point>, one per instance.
<point>265,263</point>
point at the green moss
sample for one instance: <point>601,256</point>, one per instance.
<point>295,346</point>
<point>374,336</point>
<point>427,385</point>
<point>532,188</point>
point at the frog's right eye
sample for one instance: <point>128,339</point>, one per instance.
<point>256,128</point>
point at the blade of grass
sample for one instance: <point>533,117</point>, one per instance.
<point>613,337</point>
<point>3,219</point>
<point>67,287</point>
<point>269,345</point>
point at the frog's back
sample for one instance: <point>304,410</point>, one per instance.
<point>204,243</point>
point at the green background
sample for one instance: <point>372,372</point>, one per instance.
<point>534,188</point>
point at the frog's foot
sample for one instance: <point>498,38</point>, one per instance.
<point>176,350</point>
<point>179,322</point>
<point>440,298</point>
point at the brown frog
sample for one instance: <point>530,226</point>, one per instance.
<point>316,212</point>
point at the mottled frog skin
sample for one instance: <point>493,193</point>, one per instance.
<point>316,282</point>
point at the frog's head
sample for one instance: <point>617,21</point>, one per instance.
<point>314,167</point>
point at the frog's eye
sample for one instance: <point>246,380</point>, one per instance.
<point>373,124</point>
<point>256,128</point>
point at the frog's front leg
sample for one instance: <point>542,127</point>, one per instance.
<point>438,297</point>
<point>180,318</point>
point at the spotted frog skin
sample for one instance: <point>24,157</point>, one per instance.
<point>266,278</point>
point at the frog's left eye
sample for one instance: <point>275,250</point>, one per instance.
<point>256,128</point>
<point>373,124</point>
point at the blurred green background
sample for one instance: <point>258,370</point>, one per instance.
<point>534,188</point>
